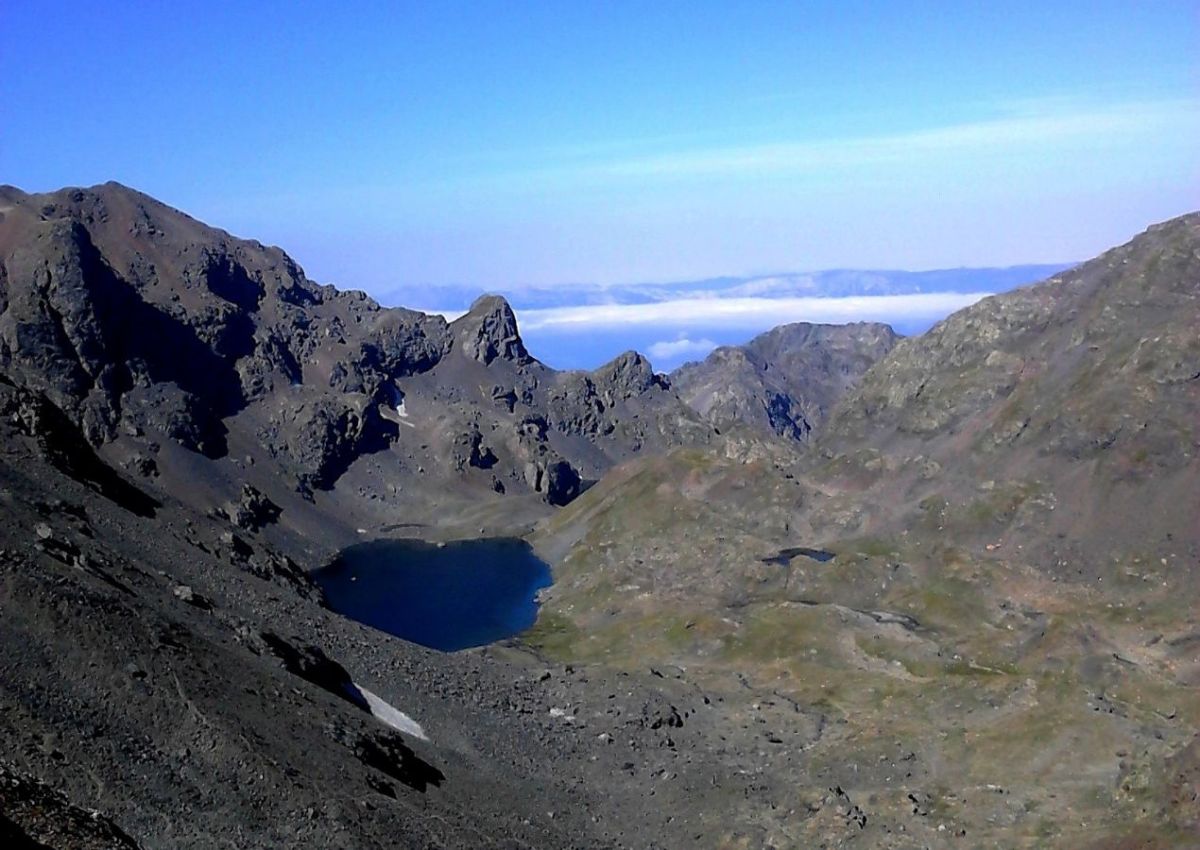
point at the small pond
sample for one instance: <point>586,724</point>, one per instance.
<point>449,596</point>
<point>786,556</point>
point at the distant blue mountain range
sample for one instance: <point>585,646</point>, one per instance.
<point>584,325</point>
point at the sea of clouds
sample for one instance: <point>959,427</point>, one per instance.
<point>583,326</point>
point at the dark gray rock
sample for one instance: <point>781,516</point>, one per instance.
<point>489,331</point>
<point>34,816</point>
<point>143,325</point>
<point>562,482</point>
<point>252,510</point>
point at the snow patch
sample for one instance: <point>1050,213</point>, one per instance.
<point>396,399</point>
<point>387,713</point>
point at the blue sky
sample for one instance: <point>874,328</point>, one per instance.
<point>403,147</point>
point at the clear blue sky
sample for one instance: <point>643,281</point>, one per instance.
<point>410,144</point>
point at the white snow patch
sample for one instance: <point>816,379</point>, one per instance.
<point>402,412</point>
<point>392,716</point>
<point>398,405</point>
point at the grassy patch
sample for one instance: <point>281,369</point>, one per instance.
<point>997,508</point>
<point>552,634</point>
<point>872,547</point>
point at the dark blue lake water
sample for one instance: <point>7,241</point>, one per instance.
<point>462,594</point>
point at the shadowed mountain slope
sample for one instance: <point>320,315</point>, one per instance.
<point>156,333</point>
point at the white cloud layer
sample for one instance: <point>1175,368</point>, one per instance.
<point>680,348</point>
<point>744,312</point>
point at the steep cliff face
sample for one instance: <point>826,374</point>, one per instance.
<point>784,381</point>
<point>147,327</point>
<point>136,319</point>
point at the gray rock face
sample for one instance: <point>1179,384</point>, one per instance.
<point>34,816</point>
<point>624,408</point>
<point>123,310</point>
<point>62,445</point>
<point>786,380</point>
<point>145,325</point>
<point>627,376</point>
<point>489,331</point>
<point>252,510</point>
<point>562,482</point>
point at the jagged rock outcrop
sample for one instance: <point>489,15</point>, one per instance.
<point>786,380</point>
<point>252,510</point>
<point>61,444</point>
<point>35,817</point>
<point>123,310</point>
<point>489,331</point>
<point>562,482</point>
<point>626,376</point>
<point>150,329</point>
<point>324,434</point>
<point>624,402</point>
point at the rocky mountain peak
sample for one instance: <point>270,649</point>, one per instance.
<point>629,374</point>
<point>786,380</point>
<point>161,337</point>
<point>489,331</point>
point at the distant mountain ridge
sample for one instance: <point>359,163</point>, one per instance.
<point>151,331</point>
<point>830,283</point>
<point>1063,416</point>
